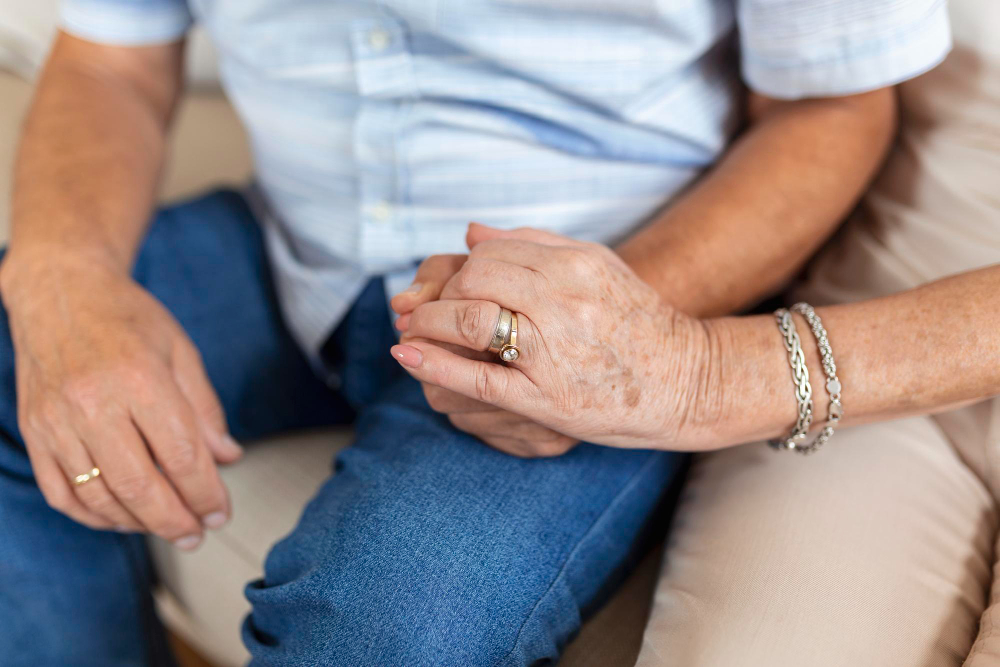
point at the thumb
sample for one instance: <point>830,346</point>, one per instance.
<point>190,375</point>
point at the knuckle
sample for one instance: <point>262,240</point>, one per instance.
<point>99,500</point>
<point>83,391</point>
<point>588,314</point>
<point>489,387</point>
<point>32,423</point>
<point>475,272</point>
<point>131,489</point>
<point>579,262</point>
<point>181,460</point>
<point>466,279</point>
<point>472,321</point>
<point>47,413</point>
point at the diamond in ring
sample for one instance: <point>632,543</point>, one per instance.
<point>510,353</point>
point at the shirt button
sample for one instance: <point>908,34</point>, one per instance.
<point>379,39</point>
<point>381,211</point>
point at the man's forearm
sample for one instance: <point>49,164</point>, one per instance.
<point>90,156</point>
<point>751,223</point>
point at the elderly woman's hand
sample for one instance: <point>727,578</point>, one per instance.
<point>502,429</point>
<point>602,358</point>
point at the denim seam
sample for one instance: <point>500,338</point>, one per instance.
<point>572,554</point>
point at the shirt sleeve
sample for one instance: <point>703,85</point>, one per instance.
<point>793,49</point>
<point>126,22</point>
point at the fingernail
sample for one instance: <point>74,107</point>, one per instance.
<point>413,289</point>
<point>215,520</point>
<point>407,355</point>
<point>122,529</point>
<point>188,542</point>
<point>403,322</point>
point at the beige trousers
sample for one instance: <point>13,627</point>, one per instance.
<point>881,549</point>
<point>877,552</point>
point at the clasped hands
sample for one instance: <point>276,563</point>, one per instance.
<point>603,359</point>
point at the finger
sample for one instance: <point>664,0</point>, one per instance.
<point>523,448</point>
<point>191,378</point>
<point>527,254</point>
<point>171,429</point>
<point>448,402</point>
<point>73,459</point>
<point>471,324</point>
<point>510,285</point>
<point>479,233</point>
<point>531,438</point>
<point>131,475</point>
<point>53,484</point>
<point>484,381</point>
<point>433,274</point>
<point>94,494</point>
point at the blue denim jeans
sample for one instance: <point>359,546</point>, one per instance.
<point>425,547</point>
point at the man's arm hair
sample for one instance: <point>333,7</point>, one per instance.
<point>753,221</point>
<point>90,156</point>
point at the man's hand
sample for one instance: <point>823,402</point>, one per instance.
<point>504,430</point>
<point>107,378</point>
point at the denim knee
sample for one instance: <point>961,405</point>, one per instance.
<point>426,601</point>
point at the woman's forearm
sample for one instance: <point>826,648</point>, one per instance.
<point>916,352</point>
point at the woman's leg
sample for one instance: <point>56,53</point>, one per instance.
<point>985,652</point>
<point>875,551</point>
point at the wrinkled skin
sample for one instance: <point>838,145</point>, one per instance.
<point>106,377</point>
<point>602,358</point>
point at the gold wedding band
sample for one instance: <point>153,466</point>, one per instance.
<point>510,351</point>
<point>502,330</point>
<point>87,476</point>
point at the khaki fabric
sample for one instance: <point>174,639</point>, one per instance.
<point>880,550</point>
<point>875,553</point>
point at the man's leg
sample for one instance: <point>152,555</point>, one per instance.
<point>429,548</point>
<point>73,596</point>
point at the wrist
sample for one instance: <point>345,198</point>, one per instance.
<point>757,390</point>
<point>28,270</point>
<point>690,398</point>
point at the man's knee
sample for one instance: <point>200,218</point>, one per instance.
<point>425,601</point>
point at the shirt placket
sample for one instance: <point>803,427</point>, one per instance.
<point>385,83</point>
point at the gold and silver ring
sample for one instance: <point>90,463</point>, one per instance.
<point>504,340</point>
<point>510,351</point>
<point>502,331</point>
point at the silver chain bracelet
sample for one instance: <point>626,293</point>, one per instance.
<point>800,375</point>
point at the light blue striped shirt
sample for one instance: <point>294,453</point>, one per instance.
<point>380,128</point>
